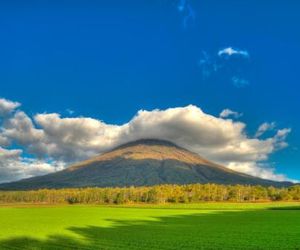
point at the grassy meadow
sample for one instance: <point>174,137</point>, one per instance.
<point>176,226</point>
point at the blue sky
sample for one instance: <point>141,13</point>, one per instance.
<point>107,60</point>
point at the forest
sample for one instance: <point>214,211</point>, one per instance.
<point>160,194</point>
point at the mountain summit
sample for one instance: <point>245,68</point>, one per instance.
<point>140,163</point>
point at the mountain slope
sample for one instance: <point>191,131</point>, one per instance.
<point>140,163</point>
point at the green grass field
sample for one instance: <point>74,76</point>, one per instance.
<point>193,226</point>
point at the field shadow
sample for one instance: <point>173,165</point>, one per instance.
<point>273,228</point>
<point>285,208</point>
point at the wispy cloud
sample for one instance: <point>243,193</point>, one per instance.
<point>208,65</point>
<point>263,128</point>
<point>231,52</point>
<point>239,82</point>
<point>70,111</point>
<point>224,62</point>
<point>181,5</point>
<point>228,112</point>
<point>187,12</point>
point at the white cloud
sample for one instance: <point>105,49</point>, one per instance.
<point>14,167</point>
<point>231,52</point>
<point>4,141</point>
<point>227,113</point>
<point>19,127</point>
<point>7,106</point>
<point>264,128</point>
<point>261,170</point>
<point>280,138</point>
<point>50,136</point>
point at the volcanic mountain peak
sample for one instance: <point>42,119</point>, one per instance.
<point>143,162</point>
<point>148,142</point>
<point>148,149</point>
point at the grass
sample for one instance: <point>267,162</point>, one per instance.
<point>181,226</point>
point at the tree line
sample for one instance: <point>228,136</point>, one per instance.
<point>192,193</point>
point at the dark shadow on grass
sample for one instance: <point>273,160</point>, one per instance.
<point>256,229</point>
<point>285,208</point>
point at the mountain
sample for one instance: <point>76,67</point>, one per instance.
<point>140,163</point>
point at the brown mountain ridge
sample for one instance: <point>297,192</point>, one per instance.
<point>144,162</point>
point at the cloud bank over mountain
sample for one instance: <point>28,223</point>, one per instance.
<point>48,142</point>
